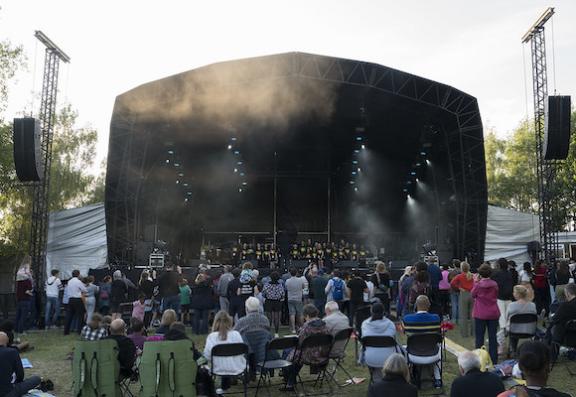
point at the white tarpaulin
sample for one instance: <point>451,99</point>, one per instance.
<point>508,232</point>
<point>77,240</point>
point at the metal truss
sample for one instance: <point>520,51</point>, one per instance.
<point>465,142</point>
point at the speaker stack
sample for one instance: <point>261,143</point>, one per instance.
<point>27,149</point>
<point>557,131</point>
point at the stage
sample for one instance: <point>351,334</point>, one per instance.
<point>284,148</point>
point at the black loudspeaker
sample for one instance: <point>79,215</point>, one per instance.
<point>557,132</point>
<point>533,246</point>
<point>27,149</point>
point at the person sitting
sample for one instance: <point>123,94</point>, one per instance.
<point>423,322</point>
<point>222,332</point>
<point>254,320</point>
<point>168,317</point>
<point>177,331</point>
<point>396,379</point>
<point>535,363</point>
<point>94,329</point>
<point>8,328</point>
<point>137,333</point>
<point>10,369</point>
<point>473,382</point>
<point>377,325</point>
<point>566,312</point>
<point>126,348</point>
<point>521,305</point>
<point>335,320</point>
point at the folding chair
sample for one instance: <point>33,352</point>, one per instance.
<point>522,326</point>
<point>362,313</point>
<point>95,369</point>
<point>379,342</point>
<point>272,360</point>
<point>568,341</point>
<point>338,353</point>
<point>422,350</point>
<point>231,350</point>
<point>318,347</point>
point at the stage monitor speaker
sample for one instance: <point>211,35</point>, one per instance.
<point>557,128</point>
<point>27,149</point>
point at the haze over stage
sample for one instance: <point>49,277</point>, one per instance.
<point>294,120</point>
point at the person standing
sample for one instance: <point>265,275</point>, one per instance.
<point>91,293</point>
<point>146,287</point>
<point>169,289</point>
<point>335,289</point>
<point>24,295</point>
<point>356,289</point>
<point>541,287</point>
<point>119,290</point>
<point>294,291</point>
<point>562,279</point>
<point>485,312</point>
<point>318,288</point>
<point>76,294</point>
<point>201,303</point>
<point>274,293</point>
<point>505,296</point>
<point>454,292</point>
<point>381,281</point>
<point>104,296</point>
<point>464,282</point>
<point>444,290</point>
<point>222,288</point>
<point>53,287</point>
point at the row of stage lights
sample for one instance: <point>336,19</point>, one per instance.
<point>180,181</point>
<point>239,168</point>
<point>414,172</point>
<point>359,146</point>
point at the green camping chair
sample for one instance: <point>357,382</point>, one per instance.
<point>168,369</point>
<point>95,369</point>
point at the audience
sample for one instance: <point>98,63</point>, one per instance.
<point>139,307</point>
<point>294,293</point>
<point>535,363</point>
<point>396,379</point>
<point>52,310</point>
<point>273,293</point>
<point>177,331</point>
<point>126,348</point>
<point>168,317</point>
<point>473,382</point>
<point>463,283</point>
<point>505,295</point>
<point>90,299</point>
<point>12,382</point>
<point>485,312</point>
<point>566,312</point>
<point>521,305</point>
<point>75,310</point>
<point>254,320</point>
<point>201,302</point>
<point>94,329</point>
<point>137,333</point>
<point>377,325</point>
<point>335,320</point>
<point>24,294</point>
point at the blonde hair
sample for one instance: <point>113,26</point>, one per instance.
<point>168,317</point>
<point>222,324</point>
<point>380,267</point>
<point>465,267</point>
<point>520,292</point>
<point>396,365</point>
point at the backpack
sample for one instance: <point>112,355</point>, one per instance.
<point>338,292</point>
<point>274,292</point>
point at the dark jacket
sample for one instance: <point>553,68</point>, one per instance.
<point>566,312</point>
<point>9,363</point>
<point>168,284</point>
<point>477,384</point>
<point>126,353</point>
<point>392,385</point>
<point>201,297</point>
<point>505,284</point>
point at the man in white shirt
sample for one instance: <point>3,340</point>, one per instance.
<point>53,287</point>
<point>75,310</point>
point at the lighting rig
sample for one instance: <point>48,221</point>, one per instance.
<point>175,163</point>
<point>239,167</point>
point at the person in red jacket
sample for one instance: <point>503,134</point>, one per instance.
<point>24,295</point>
<point>541,287</point>
<point>463,283</point>
<point>485,311</point>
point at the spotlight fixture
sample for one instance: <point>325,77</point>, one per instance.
<point>185,184</point>
<point>409,182</point>
<point>233,139</point>
<point>363,146</point>
<point>355,188</point>
<point>359,169</point>
<point>189,193</point>
<point>229,147</point>
<point>355,162</point>
<point>352,182</point>
<point>239,162</point>
<point>186,199</point>
<point>417,180</point>
<point>167,161</point>
<point>418,164</point>
<point>359,138</point>
<point>176,164</point>
<point>428,162</point>
<point>236,152</point>
<point>180,174</point>
<point>413,173</point>
<point>354,172</point>
<point>244,183</point>
<point>177,182</point>
<point>241,174</point>
<point>422,153</point>
<point>170,151</point>
<point>240,190</point>
<point>235,169</point>
<point>405,190</point>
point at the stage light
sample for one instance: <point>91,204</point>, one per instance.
<point>241,174</point>
<point>359,169</point>
<point>233,138</point>
<point>236,152</point>
<point>418,164</point>
<point>355,189</point>
<point>186,199</point>
<point>356,151</point>
<point>239,162</point>
<point>244,183</point>
<point>413,173</point>
<point>229,147</point>
<point>428,162</point>
<point>185,184</point>
<point>354,161</point>
<point>352,182</point>
<point>417,180</point>
<point>422,153</point>
<point>167,161</point>
<point>240,190</point>
<point>180,174</point>
<point>363,146</point>
<point>405,190</point>
<point>176,164</point>
<point>177,182</point>
<point>354,172</point>
<point>170,151</point>
<point>358,138</point>
<point>409,182</point>
<point>189,193</point>
<point>235,169</point>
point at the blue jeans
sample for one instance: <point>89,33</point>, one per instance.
<point>200,321</point>
<point>171,302</point>
<point>52,303</point>
<point>22,315</point>
<point>480,328</point>
<point>454,304</point>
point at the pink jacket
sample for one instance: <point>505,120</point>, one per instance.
<point>485,295</point>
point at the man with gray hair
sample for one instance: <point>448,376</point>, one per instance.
<point>222,288</point>
<point>335,320</point>
<point>473,382</point>
<point>254,320</point>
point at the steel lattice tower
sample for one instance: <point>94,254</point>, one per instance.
<point>39,229</point>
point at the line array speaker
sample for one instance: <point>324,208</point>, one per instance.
<point>27,149</point>
<point>557,132</point>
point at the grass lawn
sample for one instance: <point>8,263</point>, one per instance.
<point>51,349</point>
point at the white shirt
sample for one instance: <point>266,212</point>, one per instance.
<point>53,285</point>
<point>75,288</point>
<point>225,365</point>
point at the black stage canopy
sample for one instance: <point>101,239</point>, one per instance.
<point>293,146</point>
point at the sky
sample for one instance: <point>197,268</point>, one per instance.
<point>115,46</point>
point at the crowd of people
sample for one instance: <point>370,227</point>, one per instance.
<point>239,306</point>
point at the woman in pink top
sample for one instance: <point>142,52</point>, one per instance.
<point>444,287</point>
<point>485,311</point>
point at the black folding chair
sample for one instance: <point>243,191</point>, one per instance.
<point>362,313</point>
<point>317,346</point>
<point>338,353</point>
<point>568,341</point>
<point>522,326</point>
<point>379,342</point>
<point>273,361</point>
<point>231,350</point>
<point>425,347</point>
